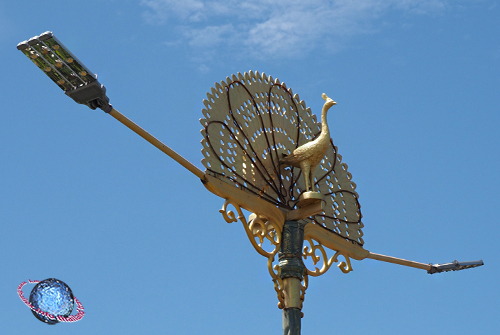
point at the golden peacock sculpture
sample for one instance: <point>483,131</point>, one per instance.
<point>308,155</point>
<point>254,132</point>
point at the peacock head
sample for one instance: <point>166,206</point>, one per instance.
<point>328,101</point>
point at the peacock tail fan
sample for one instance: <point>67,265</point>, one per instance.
<point>252,121</point>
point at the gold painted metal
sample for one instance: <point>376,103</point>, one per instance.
<point>310,250</point>
<point>304,285</point>
<point>263,228</point>
<point>258,226</point>
<point>277,281</point>
<point>154,141</point>
<point>308,155</point>
<point>305,212</point>
<point>334,242</point>
<point>292,293</point>
<point>309,198</point>
<point>250,121</point>
<point>244,200</point>
<point>399,261</point>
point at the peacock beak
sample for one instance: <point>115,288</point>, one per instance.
<point>328,99</point>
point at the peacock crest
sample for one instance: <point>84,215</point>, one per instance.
<point>252,121</point>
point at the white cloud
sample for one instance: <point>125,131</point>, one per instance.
<point>209,36</point>
<point>276,27</point>
<point>162,9</point>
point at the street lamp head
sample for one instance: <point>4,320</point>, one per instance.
<point>64,69</point>
<point>454,266</point>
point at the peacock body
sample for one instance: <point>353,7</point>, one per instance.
<point>308,155</point>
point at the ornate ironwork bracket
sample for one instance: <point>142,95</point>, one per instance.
<point>322,257</point>
<point>262,228</point>
<point>258,226</point>
<point>259,229</point>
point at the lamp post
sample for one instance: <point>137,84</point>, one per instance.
<point>253,129</point>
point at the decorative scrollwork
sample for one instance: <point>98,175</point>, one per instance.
<point>261,228</point>
<point>303,288</point>
<point>310,251</point>
<point>278,282</point>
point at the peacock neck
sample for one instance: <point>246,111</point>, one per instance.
<point>325,132</point>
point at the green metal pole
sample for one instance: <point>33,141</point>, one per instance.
<point>292,270</point>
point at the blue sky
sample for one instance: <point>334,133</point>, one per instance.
<point>139,239</point>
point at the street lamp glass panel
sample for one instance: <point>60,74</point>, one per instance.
<point>56,61</point>
<point>64,69</point>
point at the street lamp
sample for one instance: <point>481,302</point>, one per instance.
<point>264,152</point>
<point>79,83</point>
<point>60,65</point>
